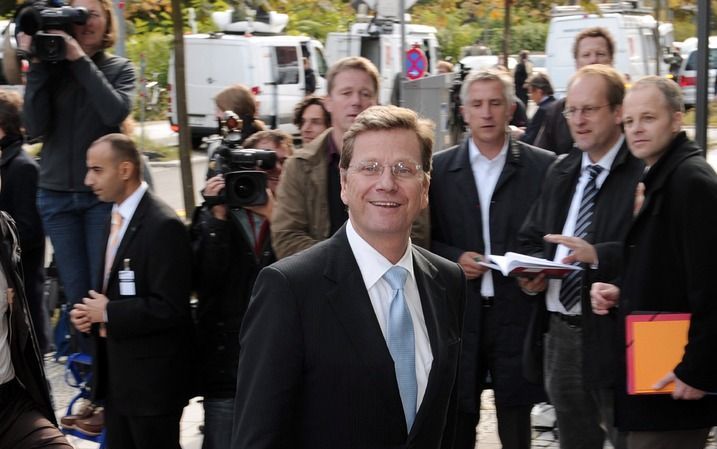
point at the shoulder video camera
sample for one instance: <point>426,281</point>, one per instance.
<point>43,15</point>
<point>243,168</point>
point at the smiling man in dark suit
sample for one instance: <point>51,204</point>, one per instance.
<point>354,342</point>
<point>140,313</point>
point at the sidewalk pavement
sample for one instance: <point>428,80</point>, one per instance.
<point>193,417</point>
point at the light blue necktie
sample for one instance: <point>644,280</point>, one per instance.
<point>400,340</point>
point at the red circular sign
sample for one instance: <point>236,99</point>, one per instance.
<point>416,64</point>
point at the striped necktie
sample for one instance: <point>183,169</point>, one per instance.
<point>570,289</point>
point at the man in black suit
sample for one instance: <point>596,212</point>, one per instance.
<point>139,313</point>
<point>354,342</point>
<point>585,209</point>
<point>481,192</point>
<point>541,92</point>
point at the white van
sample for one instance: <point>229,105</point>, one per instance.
<point>271,66</point>
<point>633,29</point>
<point>380,41</point>
<point>687,77</point>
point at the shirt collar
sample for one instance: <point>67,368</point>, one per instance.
<point>607,160</point>
<point>129,205</point>
<point>476,156</point>
<point>372,264</point>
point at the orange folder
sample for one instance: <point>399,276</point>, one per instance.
<point>655,345</point>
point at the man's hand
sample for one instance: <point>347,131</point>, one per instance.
<point>266,209</point>
<point>580,250</point>
<point>682,390</point>
<point>214,186</point>
<point>639,198</point>
<point>532,286</point>
<point>94,306</point>
<point>471,268</point>
<point>603,297</point>
<point>80,318</point>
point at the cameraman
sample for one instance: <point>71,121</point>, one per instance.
<point>69,104</point>
<point>230,247</point>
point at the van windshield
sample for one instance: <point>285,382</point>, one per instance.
<point>692,60</point>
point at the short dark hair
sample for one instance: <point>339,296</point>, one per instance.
<point>10,112</point>
<point>540,81</point>
<point>123,149</point>
<point>305,103</point>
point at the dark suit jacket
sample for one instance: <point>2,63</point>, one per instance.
<point>456,227</point>
<point>536,123</point>
<point>142,367</point>
<point>670,267</point>
<point>314,368</point>
<point>611,219</point>
<point>556,135</point>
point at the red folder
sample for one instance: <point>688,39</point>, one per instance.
<point>655,345</point>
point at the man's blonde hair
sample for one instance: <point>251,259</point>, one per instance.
<point>387,118</point>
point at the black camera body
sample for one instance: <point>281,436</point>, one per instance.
<point>245,184</point>
<point>38,18</point>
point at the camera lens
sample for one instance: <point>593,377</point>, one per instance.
<point>245,188</point>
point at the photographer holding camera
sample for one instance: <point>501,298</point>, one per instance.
<point>231,243</point>
<point>75,93</point>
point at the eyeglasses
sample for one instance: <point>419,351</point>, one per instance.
<point>586,111</point>
<point>400,170</point>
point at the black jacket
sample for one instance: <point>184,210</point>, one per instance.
<point>27,360</point>
<point>536,124</point>
<point>18,195</point>
<point>226,267</point>
<point>670,267</point>
<point>456,227</point>
<point>70,105</point>
<point>556,135</point>
<point>143,365</point>
<point>611,219</point>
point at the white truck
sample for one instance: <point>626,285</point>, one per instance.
<point>378,38</point>
<point>270,65</point>
<point>637,37</point>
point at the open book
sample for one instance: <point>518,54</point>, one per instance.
<point>514,264</point>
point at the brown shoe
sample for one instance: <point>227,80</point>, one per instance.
<point>93,425</point>
<point>85,411</point>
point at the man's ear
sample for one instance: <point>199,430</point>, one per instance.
<point>126,170</point>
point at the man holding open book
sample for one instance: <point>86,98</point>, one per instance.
<point>584,208</point>
<point>480,193</point>
<point>669,268</point>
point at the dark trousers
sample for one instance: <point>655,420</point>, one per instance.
<point>142,432</point>
<point>22,426</point>
<point>671,439</point>
<point>514,428</point>
<point>585,417</point>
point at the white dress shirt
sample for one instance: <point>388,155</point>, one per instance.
<point>373,266</point>
<point>486,173</point>
<point>553,293</point>
<point>7,372</point>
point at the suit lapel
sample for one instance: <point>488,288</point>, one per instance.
<point>464,185</point>
<point>432,301</point>
<point>129,235</point>
<point>351,304</point>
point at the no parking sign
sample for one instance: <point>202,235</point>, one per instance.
<point>416,63</point>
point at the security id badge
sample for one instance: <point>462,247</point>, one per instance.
<point>126,280</point>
